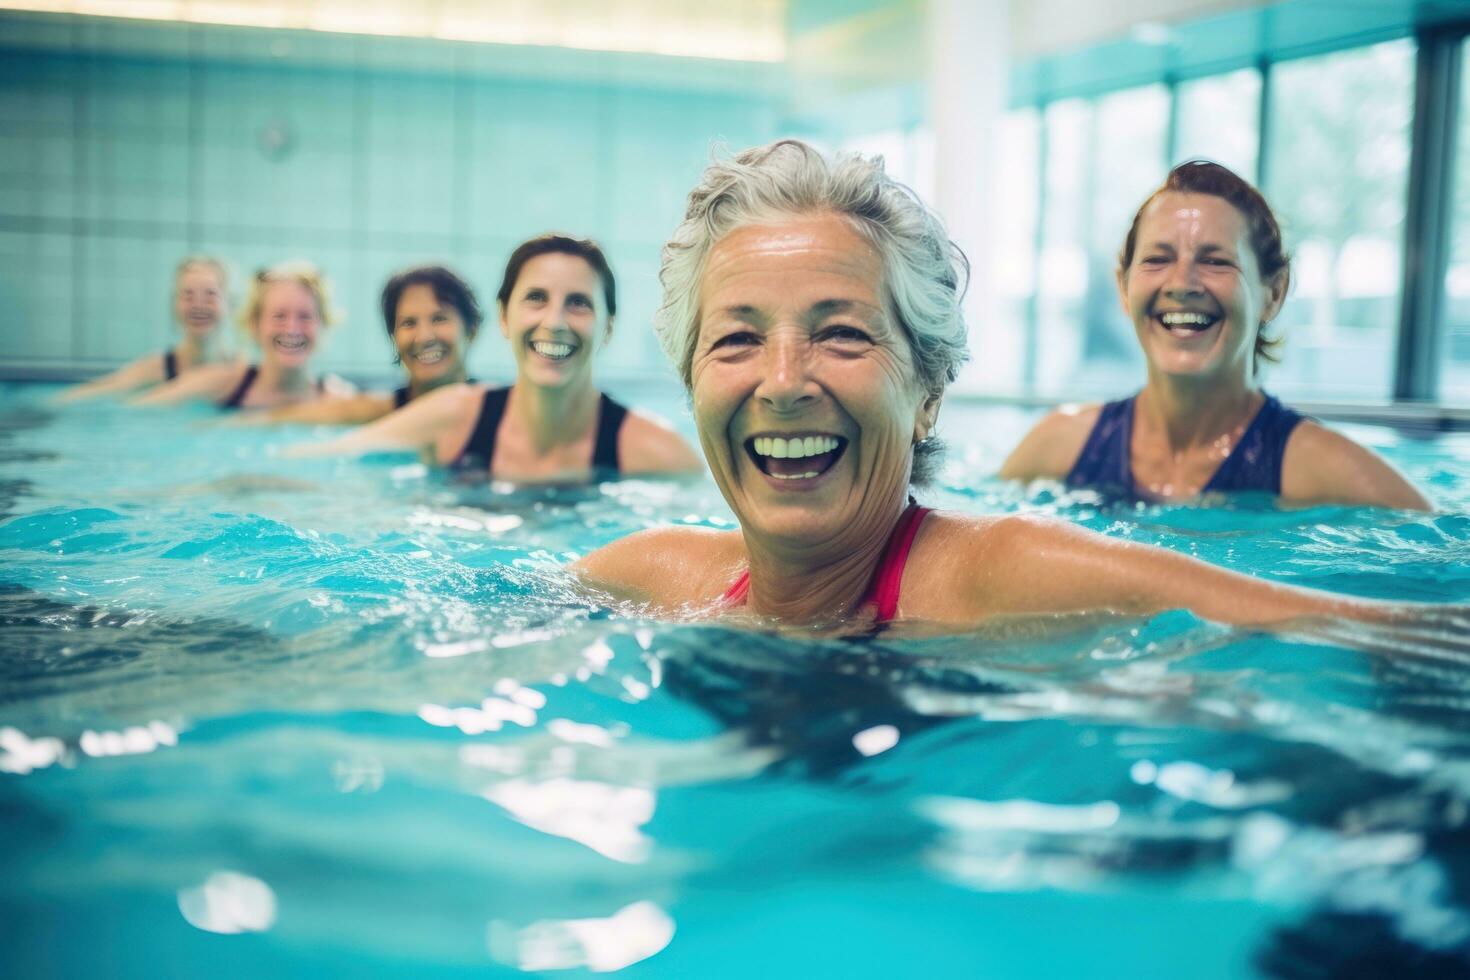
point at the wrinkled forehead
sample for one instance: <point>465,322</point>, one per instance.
<point>789,260</point>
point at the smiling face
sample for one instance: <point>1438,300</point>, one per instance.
<point>803,384</point>
<point>199,300</point>
<point>429,335</point>
<point>1194,289</point>
<point>555,319</point>
<point>288,324</point>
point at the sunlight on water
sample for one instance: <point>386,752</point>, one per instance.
<point>353,706</point>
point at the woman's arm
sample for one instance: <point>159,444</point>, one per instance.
<point>1037,565</point>
<point>1052,446</point>
<point>146,370</point>
<point>212,382</point>
<point>1322,466</point>
<point>650,445</point>
<point>414,426</point>
<point>351,410</point>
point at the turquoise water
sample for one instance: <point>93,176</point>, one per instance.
<point>263,717</point>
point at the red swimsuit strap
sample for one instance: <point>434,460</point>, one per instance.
<point>883,592</point>
<point>738,590</point>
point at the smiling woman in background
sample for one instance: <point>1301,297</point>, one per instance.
<point>431,316</point>
<point>812,307</point>
<point>557,301</point>
<point>1201,274</point>
<point>285,313</point>
<point>200,290</point>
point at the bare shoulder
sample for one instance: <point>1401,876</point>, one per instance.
<point>1052,446</point>
<point>961,565</point>
<point>1323,466</point>
<point>667,567</point>
<point>649,444</point>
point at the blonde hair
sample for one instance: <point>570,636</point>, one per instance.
<point>207,262</point>
<point>303,274</point>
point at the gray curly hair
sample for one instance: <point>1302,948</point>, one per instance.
<point>925,273</point>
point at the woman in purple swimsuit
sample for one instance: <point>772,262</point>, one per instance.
<point>812,307</point>
<point>1202,273</point>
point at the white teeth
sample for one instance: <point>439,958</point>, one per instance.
<point>548,349</point>
<point>431,355</point>
<point>1183,319</point>
<point>291,343</point>
<point>796,476</point>
<point>794,448</point>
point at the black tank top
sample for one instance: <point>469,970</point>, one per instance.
<point>480,449</point>
<point>400,397</point>
<point>237,397</point>
<point>170,365</point>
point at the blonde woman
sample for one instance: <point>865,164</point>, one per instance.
<point>286,311</point>
<point>200,299</point>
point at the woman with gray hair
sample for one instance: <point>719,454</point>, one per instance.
<point>813,309</point>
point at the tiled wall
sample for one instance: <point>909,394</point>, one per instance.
<point>112,167</point>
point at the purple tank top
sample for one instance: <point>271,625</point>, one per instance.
<point>1254,464</point>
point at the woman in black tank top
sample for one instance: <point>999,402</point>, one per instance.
<point>200,285</point>
<point>556,302</point>
<point>285,313</point>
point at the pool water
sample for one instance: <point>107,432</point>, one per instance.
<point>262,717</point>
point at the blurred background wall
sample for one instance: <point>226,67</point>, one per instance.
<point>368,136</point>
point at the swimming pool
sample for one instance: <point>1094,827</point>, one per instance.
<point>263,717</point>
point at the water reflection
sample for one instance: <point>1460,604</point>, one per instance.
<point>229,902</point>
<point>632,934</point>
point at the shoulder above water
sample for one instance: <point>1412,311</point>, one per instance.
<point>1052,446</point>
<point>1323,466</point>
<point>649,444</point>
<point>668,568</point>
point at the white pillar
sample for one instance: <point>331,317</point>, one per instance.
<point>969,58</point>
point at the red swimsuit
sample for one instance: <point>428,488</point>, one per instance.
<point>883,591</point>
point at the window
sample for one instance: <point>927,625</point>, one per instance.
<point>1337,158</point>
<point>1219,119</point>
<point>1102,160</point>
<point>998,342</point>
<point>1454,376</point>
<point>1053,354</point>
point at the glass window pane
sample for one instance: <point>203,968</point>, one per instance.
<point>1093,351</point>
<point>1337,174</point>
<point>1454,374</point>
<point>1052,356</point>
<point>1219,120</point>
<point>998,341</point>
